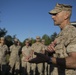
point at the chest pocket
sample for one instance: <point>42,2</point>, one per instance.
<point>60,47</point>
<point>60,51</point>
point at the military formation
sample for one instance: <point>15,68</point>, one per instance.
<point>17,63</point>
<point>3,53</point>
<point>59,58</point>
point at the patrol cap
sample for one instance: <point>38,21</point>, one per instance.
<point>37,37</point>
<point>2,38</point>
<point>60,7</point>
<point>15,39</point>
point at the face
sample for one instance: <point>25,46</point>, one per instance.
<point>59,18</point>
<point>37,39</point>
<point>27,43</point>
<point>16,42</point>
<point>43,42</point>
<point>2,41</point>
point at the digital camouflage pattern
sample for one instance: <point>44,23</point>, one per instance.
<point>66,43</point>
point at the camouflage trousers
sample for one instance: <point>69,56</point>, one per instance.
<point>25,68</point>
<point>3,69</point>
<point>14,66</point>
<point>39,67</point>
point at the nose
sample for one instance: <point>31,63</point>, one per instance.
<point>53,16</point>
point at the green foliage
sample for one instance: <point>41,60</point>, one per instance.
<point>9,40</point>
<point>3,32</point>
<point>32,40</point>
<point>47,39</point>
<point>53,36</point>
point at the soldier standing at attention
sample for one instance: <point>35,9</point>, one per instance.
<point>14,60</point>
<point>26,55</point>
<point>38,47</point>
<point>3,53</point>
<point>64,46</point>
<point>46,67</point>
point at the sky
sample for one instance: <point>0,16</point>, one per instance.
<point>30,18</point>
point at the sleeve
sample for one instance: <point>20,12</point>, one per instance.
<point>32,47</point>
<point>10,48</point>
<point>71,48</point>
<point>22,49</point>
<point>6,48</point>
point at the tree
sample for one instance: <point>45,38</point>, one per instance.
<point>14,36</point>
<point>9,40</point>
<point>33,40</point>
<point>53,36</point>
<point>47,39</point>
<point>3,32</point>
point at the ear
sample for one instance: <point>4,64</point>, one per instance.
<point>66,15</point>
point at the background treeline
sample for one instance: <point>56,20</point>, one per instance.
<point>9,38</point>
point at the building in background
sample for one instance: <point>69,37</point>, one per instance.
<point>73,23</point>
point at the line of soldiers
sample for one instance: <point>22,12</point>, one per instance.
<point>7,66</point>
<point>17,63</point>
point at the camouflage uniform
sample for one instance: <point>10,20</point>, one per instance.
<point>26,51</point>
<point>45,65</point>
<point>3,61</point>
<point>14,59</point>
<point>66,43</point>
<point>38,47</point>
